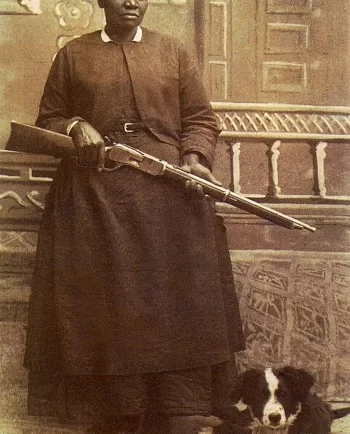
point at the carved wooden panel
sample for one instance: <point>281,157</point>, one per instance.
<point>300,44</point>
<point>286,38</point>
<point>218,28</point>
<point>283,77</point>
<point>283,43</point>
<point>218,79</point>
<point>217,55</point>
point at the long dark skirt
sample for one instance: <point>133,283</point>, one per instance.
<point>132,276</point>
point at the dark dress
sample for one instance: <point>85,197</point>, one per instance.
<point>132,272</point>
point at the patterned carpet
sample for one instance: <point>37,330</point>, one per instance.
<point>295,308</point>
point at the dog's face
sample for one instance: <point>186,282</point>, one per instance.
<point>274,396</point>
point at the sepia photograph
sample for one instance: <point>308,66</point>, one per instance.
<point>174,217</point>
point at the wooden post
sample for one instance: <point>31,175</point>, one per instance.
<point>318,156</point>
<point>273,153</point>
<point>235,150</point>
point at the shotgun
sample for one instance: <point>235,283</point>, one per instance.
<point>27,138</point>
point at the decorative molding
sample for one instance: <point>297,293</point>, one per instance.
<point>237,120</point>
<point>32,201</point>
<point>37,203</point>
<point>10,194</point>
<point>73,14</point>
<point>24,182</point>
<point>17,240</point>
<point>20,7</point>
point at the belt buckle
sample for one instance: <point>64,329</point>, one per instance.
<point>126,127</point>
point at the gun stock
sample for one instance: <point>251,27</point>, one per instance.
<point>34,140</point>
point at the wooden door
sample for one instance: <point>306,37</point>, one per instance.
<point>290,51</point>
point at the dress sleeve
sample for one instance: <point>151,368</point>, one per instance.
<point>199,127</point>
<point>56,106</point>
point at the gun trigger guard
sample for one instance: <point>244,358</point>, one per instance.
<point>112,169</point>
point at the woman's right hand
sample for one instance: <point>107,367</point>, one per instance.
<point>89,144</point>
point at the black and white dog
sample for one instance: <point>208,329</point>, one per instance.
<point>279,401</point>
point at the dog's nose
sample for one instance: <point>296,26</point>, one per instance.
<point>274,418</point>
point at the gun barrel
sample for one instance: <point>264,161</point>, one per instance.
<point>228,196</point>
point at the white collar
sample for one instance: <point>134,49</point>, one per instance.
<point>137,37</point>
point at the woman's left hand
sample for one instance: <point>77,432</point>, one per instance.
<point>191,163</point>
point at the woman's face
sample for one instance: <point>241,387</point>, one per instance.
<point>124,14</point>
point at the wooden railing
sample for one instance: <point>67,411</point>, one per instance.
<point>25,179</point>
<point>278,125</point>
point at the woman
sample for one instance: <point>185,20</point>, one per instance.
<point>133,305</point>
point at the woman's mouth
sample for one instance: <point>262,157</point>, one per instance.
<point>130,16</point>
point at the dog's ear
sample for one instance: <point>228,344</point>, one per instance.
<point>299,381</point>
<point>245,386</point>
